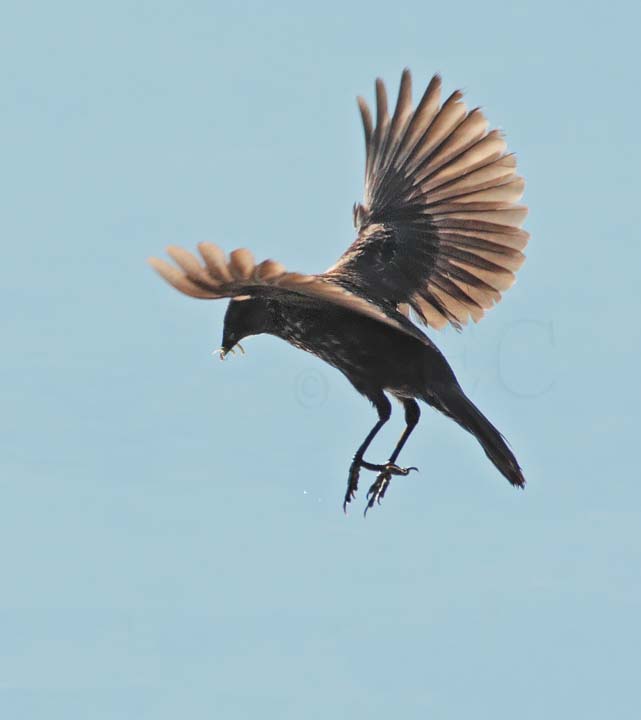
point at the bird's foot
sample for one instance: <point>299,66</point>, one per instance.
<point>389,467</point>
<point>352,484</point>
<point>377,491</point>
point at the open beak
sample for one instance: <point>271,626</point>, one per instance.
<point>223,351</point>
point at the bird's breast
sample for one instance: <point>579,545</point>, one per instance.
<point>368,352</point>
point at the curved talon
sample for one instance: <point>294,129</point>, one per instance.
<point>396,470</point>
<point>352,485</point>
<point>370,505</point>
<point>408,470</point>
<point>374,489</point>
<point>377,491</point>
<point>349,496</point>
<point>379,487</point>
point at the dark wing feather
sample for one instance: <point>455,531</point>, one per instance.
<point>213,276</point>
<point>439,229</point>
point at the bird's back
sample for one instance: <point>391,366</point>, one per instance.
<point>370,353</point>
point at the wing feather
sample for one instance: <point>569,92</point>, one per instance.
<point>439,228</point>
<point>449,117</point>
<point>239,276</point>
<point>422,117</point>
<point>489,176</point>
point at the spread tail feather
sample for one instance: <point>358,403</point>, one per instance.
<point>457,406</point>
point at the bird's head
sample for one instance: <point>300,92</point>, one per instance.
<point>250,316</point>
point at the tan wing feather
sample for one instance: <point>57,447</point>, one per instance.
<point>241,264</point>
<point>496,173</point>
<point>449,117</point>
<point>217,277</point>
<point>216,262</point>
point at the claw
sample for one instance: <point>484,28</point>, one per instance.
<point>352,486</point>
<point>379,487</point>
<point>377,491</point>
<point>396,470</point>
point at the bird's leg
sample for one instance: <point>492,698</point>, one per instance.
<point>377,491</point>
<point>384,409</point>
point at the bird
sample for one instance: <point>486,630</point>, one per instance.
<point>438,240</point>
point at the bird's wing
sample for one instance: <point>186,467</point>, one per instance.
<point>439,229</point>
<point>214,276</point>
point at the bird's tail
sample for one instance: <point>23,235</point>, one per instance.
<point>461,409</point>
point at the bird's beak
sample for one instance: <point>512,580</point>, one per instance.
<point>222,352</point>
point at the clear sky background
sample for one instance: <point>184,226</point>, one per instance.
<point>172,542</point>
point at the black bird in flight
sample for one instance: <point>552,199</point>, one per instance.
<point>438,237</point>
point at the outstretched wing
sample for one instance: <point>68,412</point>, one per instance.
<point>214,276</point>
<point>439,229</point>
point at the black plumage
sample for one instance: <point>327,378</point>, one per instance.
<point>438,235</point>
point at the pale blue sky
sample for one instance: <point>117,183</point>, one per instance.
<point>171,537</point>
